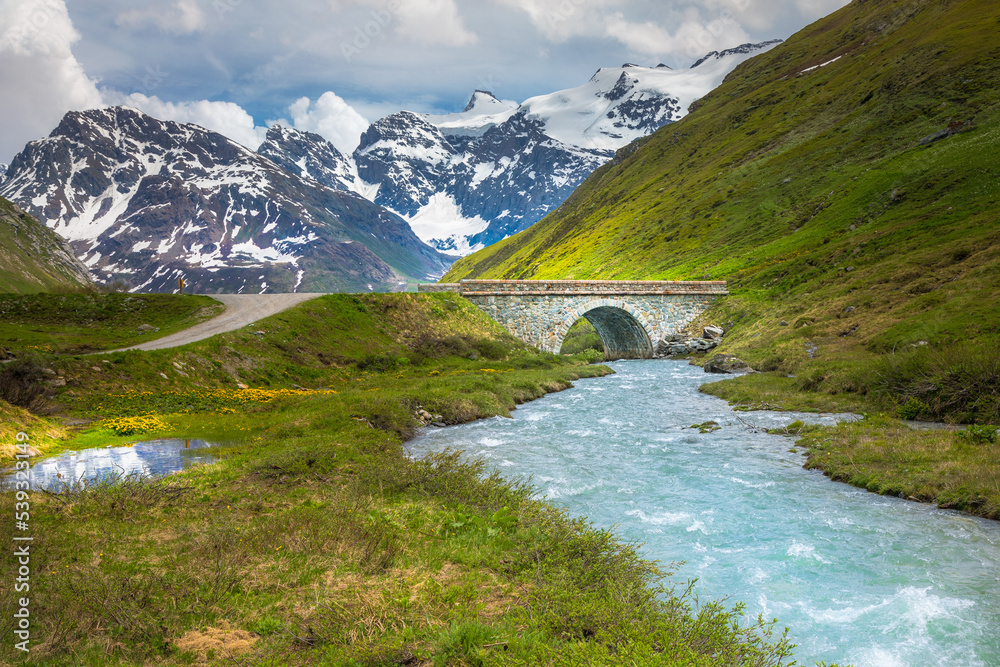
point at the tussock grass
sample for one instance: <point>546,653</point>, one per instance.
<point>886,456</point>
<point>961,382</point>
<point>22,384</point>
<point>774,391</point>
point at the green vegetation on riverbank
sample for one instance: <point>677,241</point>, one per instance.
<point>314,540</point>
<point>953,469</point>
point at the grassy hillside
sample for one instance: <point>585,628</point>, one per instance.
<point>82,322</point>
<point>33,258</point>
<point>845,183</point>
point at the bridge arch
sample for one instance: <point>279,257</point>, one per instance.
<point>624,330</point>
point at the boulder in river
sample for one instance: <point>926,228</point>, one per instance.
<point>727,363</point>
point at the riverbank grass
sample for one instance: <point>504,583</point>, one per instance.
<point>953,469</point>
<point>315,540</point>
<point>774,391</point>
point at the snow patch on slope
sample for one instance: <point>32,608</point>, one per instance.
<point>442,224</point>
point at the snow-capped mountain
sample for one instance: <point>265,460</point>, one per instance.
<point>474,185</point>
<point>310,156</point>
<point>3,171</point>
<point>150,201</point>
<point>469,179</point>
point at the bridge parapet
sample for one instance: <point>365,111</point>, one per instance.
<point>439,287</point>
<point>478,287</point>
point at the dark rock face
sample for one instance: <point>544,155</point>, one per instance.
<point>148,201</point>
<point>712,332</point>
<point>309,155</point>
<point>408,157</point>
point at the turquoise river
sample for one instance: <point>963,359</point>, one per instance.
<point>858,578</point>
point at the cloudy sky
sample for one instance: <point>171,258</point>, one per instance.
<point>332,66</point>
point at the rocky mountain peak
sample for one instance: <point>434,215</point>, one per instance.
<point>622,87</point>
<point>309,155</point>
<point>480,98</point>
<point>742,49</point>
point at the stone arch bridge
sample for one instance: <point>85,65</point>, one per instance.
<point>630,316</point>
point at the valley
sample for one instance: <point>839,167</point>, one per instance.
<point>372,470</point>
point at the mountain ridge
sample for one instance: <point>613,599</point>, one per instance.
<point>468,179</point>
<point>151,201</point>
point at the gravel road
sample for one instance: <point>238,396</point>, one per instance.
<point>241,310</point>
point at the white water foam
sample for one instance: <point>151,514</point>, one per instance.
<point>798,550</point>
<point>662,519</point>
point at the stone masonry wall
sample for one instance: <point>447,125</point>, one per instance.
<point>590,287</point>
<point>543,321</point>
<point>630,316</point>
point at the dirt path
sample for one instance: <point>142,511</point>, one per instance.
<point>241,310</point>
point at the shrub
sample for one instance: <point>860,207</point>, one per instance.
<point>379,363</point>
<point>490,349</point>
<point>979,435</point>
<point>431,347</point>
<point>912,409</point>
<point>22,383</point>
<point>593,356</point>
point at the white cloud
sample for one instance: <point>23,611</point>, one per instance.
<point>558,20</point>
<point>182,18</point>
<point>693,38</point>
<point>690,33</point>
<point>40,79</point>
<point>433,22</point>
<point>226,118</point>
<point>330,117</point>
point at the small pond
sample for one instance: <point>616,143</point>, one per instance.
<point>151,457</point>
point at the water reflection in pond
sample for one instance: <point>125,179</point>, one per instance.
<point>151,457</point>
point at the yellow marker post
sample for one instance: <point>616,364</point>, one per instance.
<point>180,285</point>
